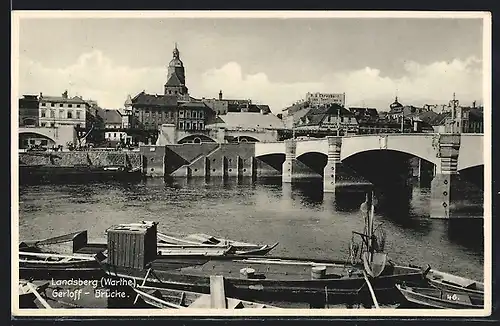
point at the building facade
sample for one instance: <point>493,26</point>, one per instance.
<point>55,111</point>
<point>29,111</point>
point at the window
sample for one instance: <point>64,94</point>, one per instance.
<point>42,104</point>
<point>61,114</point>
<point>195,114</point>
<point>181,125</point>
<point>201,114</point>
<point>78,125</point>
<point>52,125</point>
<point>43,113</point>
<point>52,104</point>
<point>114,134</point>
<point>188,114</point>
<point>70,105</point>
<point>78,114</point>
<point>61,105</point>
<point>52,113</point>
<point>175,92</point>
<point>78,105</point>
<point>70,114</point>
<point>44,142</point>
<point>181,113</point>
<point>188,125</point>
<point>42,124</point>
<point>201,126</point>
<point>170,92</point>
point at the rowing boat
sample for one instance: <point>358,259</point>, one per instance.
<point>175,299</point>
<point>456,283</point>
<point>430,297</point>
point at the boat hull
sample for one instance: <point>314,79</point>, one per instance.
<point>293,286</point>
<point>436,298</point>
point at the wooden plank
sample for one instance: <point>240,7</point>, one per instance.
<point>38,296</point>
<point>47,255</point>
<point>372,293</point>
<point>217,292</point>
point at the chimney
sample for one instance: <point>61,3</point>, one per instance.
<point>220,95</point>
<point>65,94</point>
<point>41,95</point>
<point>474,104</point>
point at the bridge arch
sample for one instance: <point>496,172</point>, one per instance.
<point>31,138</point>
<point>196,139</point>
<point>414,146</point>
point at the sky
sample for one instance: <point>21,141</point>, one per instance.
<point>271,61</point>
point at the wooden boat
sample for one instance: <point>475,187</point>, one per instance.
<point>456,283</point>
<point>430,297</point>
<point>258,277</point>
<point>77,242</point>
<point>48,265</point>
<point>29,293</point>
<point>238,247</point>
<point>176,299</point>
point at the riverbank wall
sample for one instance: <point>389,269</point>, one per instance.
<point>130,160</point>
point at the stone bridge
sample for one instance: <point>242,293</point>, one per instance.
<point>449,153</point>
<point>58,136</point>
<point>424,146</point>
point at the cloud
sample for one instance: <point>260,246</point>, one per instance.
<point>95,76</point>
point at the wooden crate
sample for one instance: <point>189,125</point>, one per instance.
<point>132,246</point>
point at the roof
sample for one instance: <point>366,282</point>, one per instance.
<point>110,116</point>
<point>439,119</point>
<point>174,80</point>
<point>316,114</point>
<point>195,104</point>
<point>249,120</point>
<point>427,116</point>
<point>263,108</point>
<point>296,107</point>
<point>60,99</point>
<point>367,111</point>
<point>154,100</point>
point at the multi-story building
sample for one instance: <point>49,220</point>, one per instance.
<point>55,111</point>
<point>28,111</point>
<point>316,99</point>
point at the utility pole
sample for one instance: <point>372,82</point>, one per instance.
<point>402,122</point>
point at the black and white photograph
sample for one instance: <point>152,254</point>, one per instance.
<point>329,163</point>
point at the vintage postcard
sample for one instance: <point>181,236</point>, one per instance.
<point>251,163</point>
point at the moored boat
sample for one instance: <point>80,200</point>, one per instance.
<point>77,243</point>
<point>49,265</point>
<point>175,299</point>
<point>430,297</point>
<point>447,281</point>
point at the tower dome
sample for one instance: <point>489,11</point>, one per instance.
<point>396,104</point>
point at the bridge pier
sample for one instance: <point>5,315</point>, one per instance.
<point>332,164</point>
<point>153,160</point>
<point>445,188</point>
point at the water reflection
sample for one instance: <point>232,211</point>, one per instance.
<point>303,219</point>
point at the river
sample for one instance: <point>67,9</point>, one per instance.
<point>300,217</point>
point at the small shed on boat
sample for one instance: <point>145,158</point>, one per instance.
<point>132,245</point>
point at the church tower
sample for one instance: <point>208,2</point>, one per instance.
<point>176,79</point>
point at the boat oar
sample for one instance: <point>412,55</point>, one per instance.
<point>372,293</point>
<point>38,296</point>
<point>143,282</point>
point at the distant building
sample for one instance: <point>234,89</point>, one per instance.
<point>55,111</point>
<point>248,126</point>
<point>28,111</point>
<point>316,99</point>
<point>329,118</point>
<point>222,106</point>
